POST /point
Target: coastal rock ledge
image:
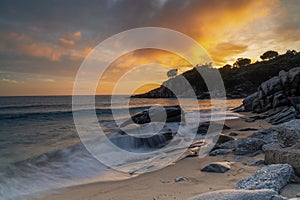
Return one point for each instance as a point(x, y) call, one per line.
point(280, 96)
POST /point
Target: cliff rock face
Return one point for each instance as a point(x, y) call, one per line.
point(280, 96)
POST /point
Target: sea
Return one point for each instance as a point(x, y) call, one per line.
point(41, 151)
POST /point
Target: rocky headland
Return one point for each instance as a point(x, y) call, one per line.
point(239, 81)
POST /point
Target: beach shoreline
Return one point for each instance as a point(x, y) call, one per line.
point(161, 184)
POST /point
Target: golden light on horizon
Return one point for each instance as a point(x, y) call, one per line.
point(158, 63)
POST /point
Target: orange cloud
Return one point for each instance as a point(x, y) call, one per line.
point(223, 52)
point(25, 45)
point(77, 34)
point(215, 22)
point(66, 42)
point(9, 80)
point(226, 29)
point(43, 51)
point(16, 37)
point(212, 24)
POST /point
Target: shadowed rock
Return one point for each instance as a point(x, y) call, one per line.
point(269, 136)
point(280, 96)
point(203, 127)
point(224, 138)
point(220, 152)
point(217, 167)
point(248, 101)
point(243, 146)
point(256, 163)
point(248, 129)
point(156, 114)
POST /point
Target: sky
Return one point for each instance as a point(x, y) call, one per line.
point(43, 43)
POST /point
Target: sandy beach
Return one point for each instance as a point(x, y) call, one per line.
point(161, 184)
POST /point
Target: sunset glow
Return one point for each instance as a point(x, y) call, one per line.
point(41, 49)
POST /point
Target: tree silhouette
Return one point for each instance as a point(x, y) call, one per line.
point(269, 55)
point(172, 73)
point(241, 62)
point(226, 68)
point(291, 52)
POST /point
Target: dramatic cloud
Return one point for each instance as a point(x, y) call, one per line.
point(9, 80)
point(66, 42)
point(51, 38)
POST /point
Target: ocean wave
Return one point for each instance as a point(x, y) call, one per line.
point(70, 165)
point(52, 170)
point(46, 113)
point(32, 106)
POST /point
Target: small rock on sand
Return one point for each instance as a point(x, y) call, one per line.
point(248, 129)
point(180, 179)
point(216, 167)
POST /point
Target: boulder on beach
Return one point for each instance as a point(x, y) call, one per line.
point(273, 177)
point(289, 133)
point(157, 114)
point(264, 194)
point(203, 127)
point(224, 138)
point(243, 146)
point(256, 163)
point(216, 167)
point(289, 156)
point(137, 132)
point(269, 136)
point(280, 136)
point(220, 152)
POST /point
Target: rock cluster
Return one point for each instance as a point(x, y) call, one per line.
point(137, 132)
point(157, 114)
point(242, 146)
point(280, 94)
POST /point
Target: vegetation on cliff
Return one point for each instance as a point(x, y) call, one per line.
point(240, 80)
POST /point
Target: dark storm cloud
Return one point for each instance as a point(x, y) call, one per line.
point(46, 24)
